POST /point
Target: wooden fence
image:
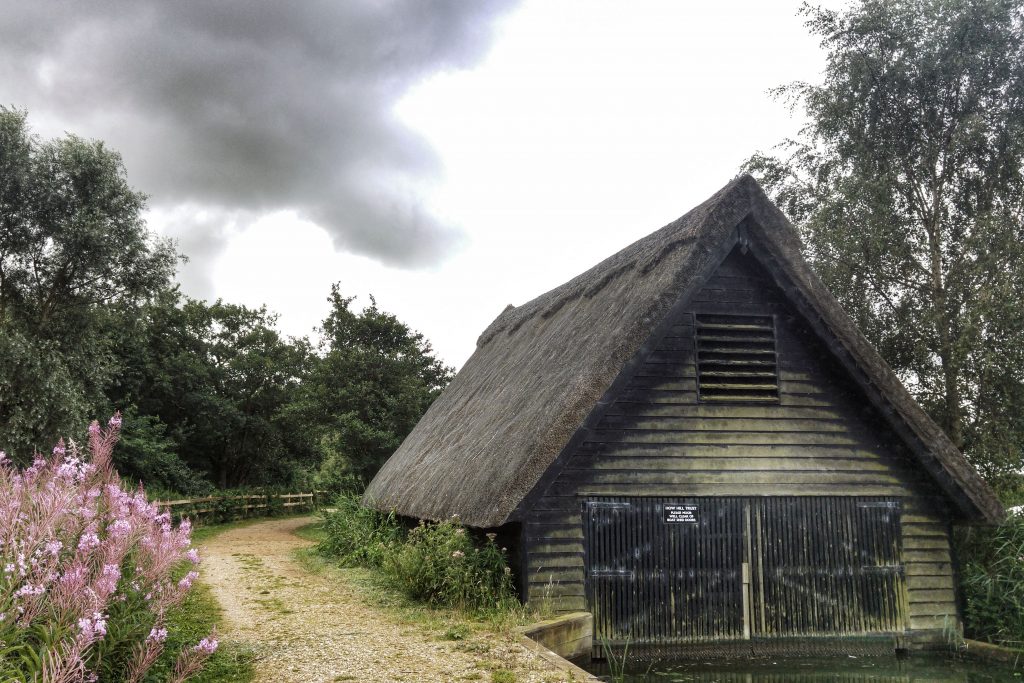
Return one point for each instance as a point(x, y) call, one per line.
point(241, 506)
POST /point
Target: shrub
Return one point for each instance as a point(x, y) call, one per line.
point(442, 566)
point(86, 571)
point(358, 536)
point(437, 563)
point(992, 577)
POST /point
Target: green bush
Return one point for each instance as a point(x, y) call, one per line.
point(358, 536)
point(147, 455)
point(992, 577)
point(441, 565)
point(436, 563)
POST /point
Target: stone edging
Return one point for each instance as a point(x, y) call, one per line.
point(553, 640)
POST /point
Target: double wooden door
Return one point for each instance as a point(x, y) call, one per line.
point(663, 571)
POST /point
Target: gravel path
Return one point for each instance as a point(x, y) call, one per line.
point(313, 627)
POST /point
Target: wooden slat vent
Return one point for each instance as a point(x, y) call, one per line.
point(736, 358)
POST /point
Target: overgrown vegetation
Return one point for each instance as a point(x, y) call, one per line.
point(358, 536)
point(992, 576)
point(439, 564)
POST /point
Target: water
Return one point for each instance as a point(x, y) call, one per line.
point(849, 670)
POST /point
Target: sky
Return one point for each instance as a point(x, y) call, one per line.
point(446, 157)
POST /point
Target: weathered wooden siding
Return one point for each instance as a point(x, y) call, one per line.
point(821, 438)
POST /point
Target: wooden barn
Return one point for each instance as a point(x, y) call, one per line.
point(693, 441)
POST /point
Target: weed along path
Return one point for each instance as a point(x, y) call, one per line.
point(309, 622)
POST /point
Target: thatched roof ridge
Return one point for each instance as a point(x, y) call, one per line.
point(540, 368)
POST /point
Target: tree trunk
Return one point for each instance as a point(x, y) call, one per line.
point(944, 329)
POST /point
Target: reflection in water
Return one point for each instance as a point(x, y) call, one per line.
point(851, 670)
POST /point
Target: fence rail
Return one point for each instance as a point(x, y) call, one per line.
point(239, 503)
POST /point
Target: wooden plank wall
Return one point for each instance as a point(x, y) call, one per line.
point(822, 438)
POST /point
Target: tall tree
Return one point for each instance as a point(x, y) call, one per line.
point(906, 184)
point(372, 381)
point(214, 381)
point(74, 256)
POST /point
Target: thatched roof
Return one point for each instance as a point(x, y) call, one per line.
point(541, 368)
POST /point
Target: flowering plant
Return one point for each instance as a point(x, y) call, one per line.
point(87, 571)
point(441, 564)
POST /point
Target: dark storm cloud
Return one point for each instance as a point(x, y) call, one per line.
point(253, 106)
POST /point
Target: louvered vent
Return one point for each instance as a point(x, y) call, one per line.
point(736, 358)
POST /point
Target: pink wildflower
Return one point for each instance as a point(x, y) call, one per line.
point(120, 527)
point(191, 660)
point(193, 556)
point(207, 645)
point(69, 534)
point(88, 541)
point(28, 590)
point(92, 628)
point(107, 582)
point(186, 581)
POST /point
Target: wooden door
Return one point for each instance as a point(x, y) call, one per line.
point(677, 571)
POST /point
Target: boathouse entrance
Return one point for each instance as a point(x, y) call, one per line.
point(675, 571)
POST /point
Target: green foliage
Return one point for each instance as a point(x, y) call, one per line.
point(456, 632)
point(220, 377)
point(75, 259)
point(55, 398)
point(358, 536)
point(992, 578)
point(371, 382)
point(906, 185)
point(335, 475)
point(147, 454)
point(439, 564)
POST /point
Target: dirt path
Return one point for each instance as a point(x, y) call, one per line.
point(314, 627)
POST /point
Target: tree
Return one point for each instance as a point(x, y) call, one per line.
point(371, 383)
point(75, 256)
point(906, 185)
point(215, 381)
